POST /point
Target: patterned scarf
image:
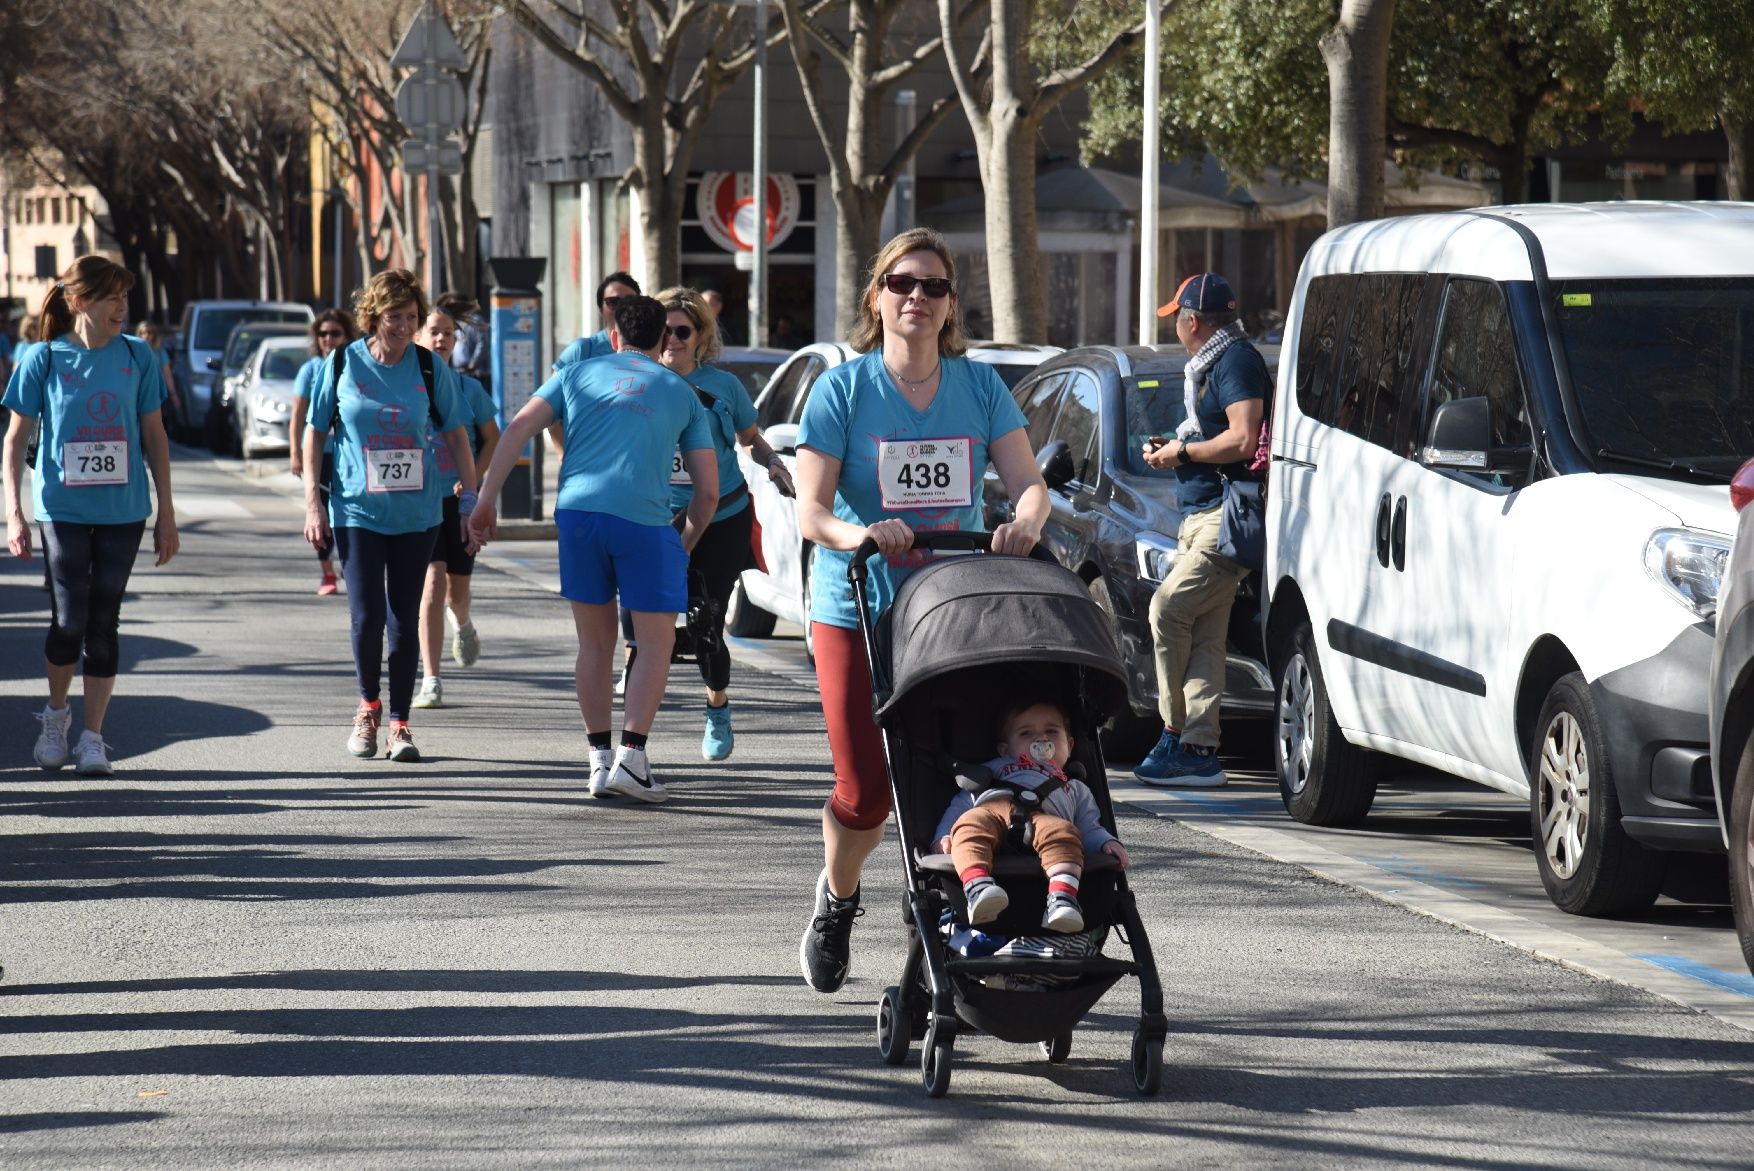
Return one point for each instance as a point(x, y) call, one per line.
point(1197, 367)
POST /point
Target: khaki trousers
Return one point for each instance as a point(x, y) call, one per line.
point(1190, 623)
point(976, 835)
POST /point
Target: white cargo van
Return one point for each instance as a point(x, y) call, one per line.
point(1498, 515)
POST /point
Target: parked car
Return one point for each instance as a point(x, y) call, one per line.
point(778, 585)
point(262, 398)
point(200, 347)
point(1498, 516)
point(753, 365)
point(223, 431)
point(1114, 518)
point(1732, 712)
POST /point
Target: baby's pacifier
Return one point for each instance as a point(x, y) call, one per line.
point(1041, 751)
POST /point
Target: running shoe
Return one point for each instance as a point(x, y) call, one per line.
point(1158, 758)
point(632, 777)
point(1190, 766)
point(986, 899)
point(825, 953)
point(327, 586)
point(465, 645)
point(51, 749)
point(364, 741)
point(1063, 914)
point(402, 744)
point(717, 740)
point(90, 753)
point(602, 766)
point(432, 692)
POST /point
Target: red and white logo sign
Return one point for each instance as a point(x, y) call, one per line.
point(725, 204)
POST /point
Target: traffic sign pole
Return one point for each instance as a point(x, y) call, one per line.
point(432, 105)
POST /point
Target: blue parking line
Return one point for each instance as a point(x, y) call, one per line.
point(1216, 803)
point(1420, 872)
point(1741, 983)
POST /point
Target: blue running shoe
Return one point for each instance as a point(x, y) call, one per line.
point(716, 742)
point(1158, 758)
point(1190, 767)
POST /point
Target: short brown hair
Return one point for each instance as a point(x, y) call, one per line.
point(680, 300)
point(90, 278)
point(384, 292)
point(867, 334)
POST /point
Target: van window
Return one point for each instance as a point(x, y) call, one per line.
point(214, 326)
point(1663, 371)
point(1080, 420)
point(1476, 357)
point(1375, 379)
point(1325, 306)
point(1038, 401)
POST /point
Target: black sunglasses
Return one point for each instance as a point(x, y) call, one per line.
point(902, 284)
point(330, 333)
point(680, 332)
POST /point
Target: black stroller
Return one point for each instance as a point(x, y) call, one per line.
point(963, 633)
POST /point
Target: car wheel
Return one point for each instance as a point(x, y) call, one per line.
point(1323, 779)
point(1588, 862)
point(1741, 822)
point(1128, 735)
point(743, 618)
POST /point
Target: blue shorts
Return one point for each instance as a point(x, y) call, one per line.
point(603, 555)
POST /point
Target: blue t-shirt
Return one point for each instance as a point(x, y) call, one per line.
point(732, 411)
point(1239, 375)
point(595, 346)
point(308, 376)
point(383, 410)
point(480, 407)
point(625, 415)
point(90, 468)
point(855, 408)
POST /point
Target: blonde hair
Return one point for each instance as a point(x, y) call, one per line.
point(383, 293)
point(90, 278)
point(867, 332)
point(680, 300)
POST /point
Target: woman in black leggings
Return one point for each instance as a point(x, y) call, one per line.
point(95, 395)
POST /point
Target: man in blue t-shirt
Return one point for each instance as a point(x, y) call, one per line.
point(625, 415)
point(1226, 397)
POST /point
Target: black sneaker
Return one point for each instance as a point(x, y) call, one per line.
point(826, 950)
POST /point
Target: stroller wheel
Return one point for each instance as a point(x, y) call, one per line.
point(894, 1034)
point(935, 1062)
point(1147, 1063)
point(1057, 1049)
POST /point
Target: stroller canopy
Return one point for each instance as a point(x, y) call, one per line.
point(985, 610)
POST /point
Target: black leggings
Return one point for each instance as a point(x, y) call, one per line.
point(719, 557)
point(327, 548)
point(88, 568)
point(385, 573)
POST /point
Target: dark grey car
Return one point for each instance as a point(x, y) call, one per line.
point(1114, 519)
point(1731, 705)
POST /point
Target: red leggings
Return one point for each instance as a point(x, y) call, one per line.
point(861, 779)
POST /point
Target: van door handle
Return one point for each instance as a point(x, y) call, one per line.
point(1398, 535)
point(1382, 531)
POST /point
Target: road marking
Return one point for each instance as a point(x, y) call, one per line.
point(1741, 983)
point(204, 506)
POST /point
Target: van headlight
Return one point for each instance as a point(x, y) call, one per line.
point(1691, 564)
point(1154, 553)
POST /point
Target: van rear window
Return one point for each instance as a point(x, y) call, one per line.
point(213, 327)
point(1663, 371)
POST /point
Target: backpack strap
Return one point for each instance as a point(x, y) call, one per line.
point(339, 362)
point(424, 357)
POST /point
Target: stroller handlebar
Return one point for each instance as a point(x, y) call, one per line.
point(970, 541)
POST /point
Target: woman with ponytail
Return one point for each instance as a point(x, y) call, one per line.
point(95, 394)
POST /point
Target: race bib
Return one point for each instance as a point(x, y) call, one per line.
point(395, 469)
point(679, 470)
point(93, 464)
point(926, 473)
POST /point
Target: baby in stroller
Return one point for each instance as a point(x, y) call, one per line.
point(1028, 778)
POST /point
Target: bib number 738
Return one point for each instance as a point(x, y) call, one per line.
point(926, 473)
point(91, 464)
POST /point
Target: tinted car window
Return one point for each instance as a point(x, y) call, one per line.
point(1079, 422)
point(1476, 357)
point(283, 363)
point(786, 403)
point(753, 375)
point(1325, 307)
point(1039, 401)
point(1663, 370)
point(213, 326)
point(1011, 373)
point(1153, 406)
point(1378, 356)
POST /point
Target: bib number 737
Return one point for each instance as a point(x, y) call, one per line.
point(395, 469)
point(926, 473)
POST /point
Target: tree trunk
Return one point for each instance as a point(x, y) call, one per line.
point(1356, 51)
point(857, 227)
point(1737, 177)
point(1013, 257)
point(1512, 160)
point(659, 212)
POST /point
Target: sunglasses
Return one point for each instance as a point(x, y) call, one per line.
point(680, 332)
point(330, 333)
point(902, 284)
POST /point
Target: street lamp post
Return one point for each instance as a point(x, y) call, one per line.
point(1148, 180)
point(758, 277)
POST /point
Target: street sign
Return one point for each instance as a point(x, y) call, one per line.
point(725, 203)
point(419, 155)
point(428, 98)
point(429, 42)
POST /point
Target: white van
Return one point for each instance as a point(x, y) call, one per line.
point(1498, 515)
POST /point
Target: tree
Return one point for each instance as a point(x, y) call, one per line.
point(1356, 50)
point(1006, 116)
point(861, 173)
point(648, 39)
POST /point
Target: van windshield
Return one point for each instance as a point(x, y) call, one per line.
point(213, 326)
point(1663, 371)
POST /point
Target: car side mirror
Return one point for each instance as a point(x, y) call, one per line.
point(782, 437)
point(213, 363)
point(1055, 464)
point(1460, 435)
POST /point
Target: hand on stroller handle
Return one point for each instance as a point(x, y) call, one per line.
point(971, 541)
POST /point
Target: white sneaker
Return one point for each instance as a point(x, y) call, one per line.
point(986, 901)
point(90, 751)
point(51, 749)
point(432, 692)
point(602, 764)
point(632, 777)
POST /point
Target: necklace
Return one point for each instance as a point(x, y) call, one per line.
point(914, 383)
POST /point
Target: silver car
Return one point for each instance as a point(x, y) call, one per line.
point(263, 403)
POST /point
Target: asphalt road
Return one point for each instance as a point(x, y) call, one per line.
point(248, 949)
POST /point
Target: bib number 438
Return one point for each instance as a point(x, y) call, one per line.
point(926, 473)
